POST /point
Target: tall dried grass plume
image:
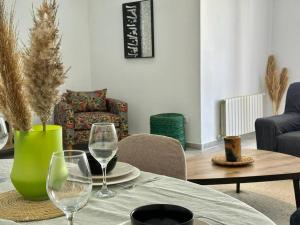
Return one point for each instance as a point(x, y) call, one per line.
point(13, 102)
point(43, 67)
point(283, 81)
point(276, 83)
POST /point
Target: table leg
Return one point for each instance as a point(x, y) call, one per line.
point(238, 187)
point(297, 192)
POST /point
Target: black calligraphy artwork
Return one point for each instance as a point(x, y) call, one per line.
point(138, 29)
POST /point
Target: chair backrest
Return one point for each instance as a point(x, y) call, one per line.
point(293, 98)
point(154, 153)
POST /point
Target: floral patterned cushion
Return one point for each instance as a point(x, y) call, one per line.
point(87, 101)
point(84, 121)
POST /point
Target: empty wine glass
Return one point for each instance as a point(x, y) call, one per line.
point(69, 181)
point(3, 133)
point(3, 139)
point(103, 145)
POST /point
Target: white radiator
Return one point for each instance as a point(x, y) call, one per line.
point(238, 114)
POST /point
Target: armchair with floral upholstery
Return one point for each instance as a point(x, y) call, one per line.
point(77, 111)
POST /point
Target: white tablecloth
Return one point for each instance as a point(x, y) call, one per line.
point(203, 201)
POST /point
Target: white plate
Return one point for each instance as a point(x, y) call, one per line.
point(122, 179)
point(196, 222)
point(121, 169)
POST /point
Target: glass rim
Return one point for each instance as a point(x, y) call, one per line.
point(103, 124)
point(62, 154)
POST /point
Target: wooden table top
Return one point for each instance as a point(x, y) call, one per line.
point(267, 166)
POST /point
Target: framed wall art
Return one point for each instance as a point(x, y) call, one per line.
point(138, 29)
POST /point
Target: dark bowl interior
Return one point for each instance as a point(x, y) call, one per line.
point(96, 167)
point(161, 214)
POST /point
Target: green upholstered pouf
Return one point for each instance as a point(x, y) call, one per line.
point(169, 124)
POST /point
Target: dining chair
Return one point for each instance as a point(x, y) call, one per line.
point(154, 153)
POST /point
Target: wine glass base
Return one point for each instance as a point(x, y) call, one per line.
point(105, 194)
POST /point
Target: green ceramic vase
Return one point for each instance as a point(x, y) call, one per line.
point(32, 155)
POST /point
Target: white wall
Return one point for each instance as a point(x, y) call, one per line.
point(236, 38)
point(286, 37)
point(235, 43)
point(170, 82)
point(73, 22)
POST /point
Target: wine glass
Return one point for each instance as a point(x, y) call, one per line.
point(69, 181)
point(103, 145)
point(3, 133)
point(3, 139)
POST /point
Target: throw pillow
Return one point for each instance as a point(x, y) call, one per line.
point(88, 101)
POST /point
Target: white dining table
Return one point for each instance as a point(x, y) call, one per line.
point(209, 205)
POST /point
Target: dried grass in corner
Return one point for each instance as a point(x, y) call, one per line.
point(283, 83)
point(276, 84)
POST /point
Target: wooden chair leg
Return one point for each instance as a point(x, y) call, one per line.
point(69, 147)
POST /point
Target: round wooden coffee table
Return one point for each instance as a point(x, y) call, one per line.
point(267, 166)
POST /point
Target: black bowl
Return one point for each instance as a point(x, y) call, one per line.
point(161, 214)
point(96, 167)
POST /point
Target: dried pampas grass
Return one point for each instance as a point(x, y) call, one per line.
point(283, 81)
point(13, 103)
point(276, 84)
point(43, 68)
point(271, 78)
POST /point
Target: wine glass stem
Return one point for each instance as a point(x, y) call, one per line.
point(104, 185)
point(70, 217)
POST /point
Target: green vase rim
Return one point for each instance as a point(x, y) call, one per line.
point(39, 128)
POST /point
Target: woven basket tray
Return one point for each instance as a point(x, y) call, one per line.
point(14, 207)
point(221, 160)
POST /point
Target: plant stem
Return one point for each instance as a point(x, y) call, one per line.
point(275, 112)
point(44, 126)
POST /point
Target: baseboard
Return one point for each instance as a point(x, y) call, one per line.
point(193, 145)
point(215, 143)
point(203, 146)
point(211, 144)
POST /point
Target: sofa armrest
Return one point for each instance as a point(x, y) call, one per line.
point(268, 128)
point(120, 108)
point(116, 106)
point(64, 116)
